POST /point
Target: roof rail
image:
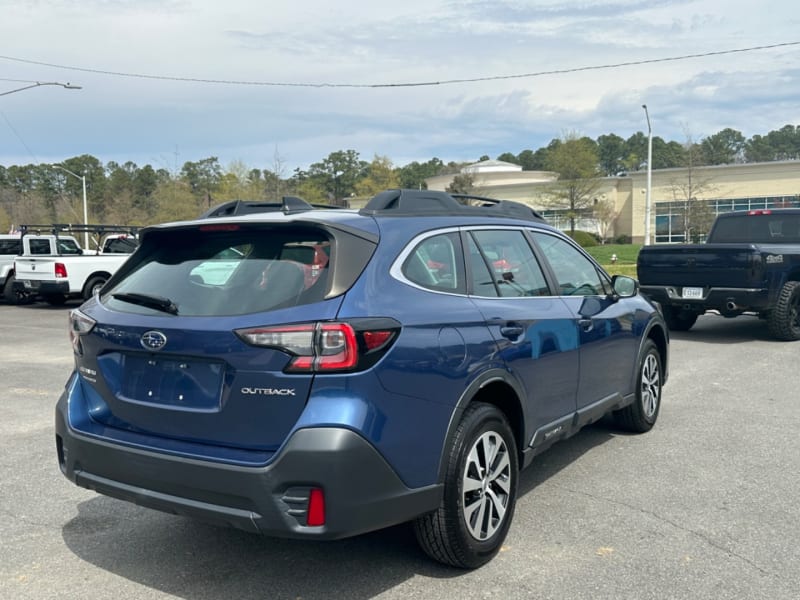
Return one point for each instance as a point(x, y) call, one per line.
point(288, 205)
point(415, 202)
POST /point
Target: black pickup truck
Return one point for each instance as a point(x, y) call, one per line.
point(750, 264)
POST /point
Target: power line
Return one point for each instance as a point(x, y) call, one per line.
point(402, 84)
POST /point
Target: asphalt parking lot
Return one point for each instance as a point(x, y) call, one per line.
point(703, 507)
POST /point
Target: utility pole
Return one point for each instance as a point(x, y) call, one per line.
point(647, 198)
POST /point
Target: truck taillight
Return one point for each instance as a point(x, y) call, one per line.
point(79, 324)
point(61, 271)
point(326, 347)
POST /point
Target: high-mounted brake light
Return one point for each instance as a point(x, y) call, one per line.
point(323, 347)
point(220, 227)
point(759, 211)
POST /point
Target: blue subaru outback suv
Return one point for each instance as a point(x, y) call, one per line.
point(319, 374)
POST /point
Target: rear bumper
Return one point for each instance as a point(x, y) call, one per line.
point(721, 299)
point(41, 287)
point(362, 493)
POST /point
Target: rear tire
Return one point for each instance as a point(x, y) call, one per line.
point(640, 416)
point(93, 285)
point(784, 320)
point(678, 319)
point(480, 491)
point(14, 297)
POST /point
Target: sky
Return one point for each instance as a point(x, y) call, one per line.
point(280, 85)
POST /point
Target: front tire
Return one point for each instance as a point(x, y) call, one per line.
point(640, 416)
point(480, 492)
point(784, 320)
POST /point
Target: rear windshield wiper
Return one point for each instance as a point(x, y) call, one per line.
point(156, 302)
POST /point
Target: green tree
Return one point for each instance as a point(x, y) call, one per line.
point(413, 175)
point(204, 178)
point(785, 143)
point(175, 201)
point(575, 160)
point(338, 174)
point(758, 149)
point(636, 152)
point(463, 183)
point(725, 147)
point(667, 155)
point(533, 161)
point(509, 158)
point(380, 175)
point(611, 154)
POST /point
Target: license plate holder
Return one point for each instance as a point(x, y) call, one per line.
point(692, 293)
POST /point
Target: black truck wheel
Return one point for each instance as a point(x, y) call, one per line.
point(784, 319)
point(480, 492)
point(15, 297)
point(678, 319)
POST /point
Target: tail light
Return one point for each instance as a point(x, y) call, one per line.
point(61, 270)
point(79, 324)
point(326, 347)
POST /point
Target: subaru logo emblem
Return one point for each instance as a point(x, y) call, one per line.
point(153, 340)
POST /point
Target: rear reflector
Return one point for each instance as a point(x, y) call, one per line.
point(315, 516)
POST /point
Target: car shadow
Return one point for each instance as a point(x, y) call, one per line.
point(716, 329)
point(190, 559)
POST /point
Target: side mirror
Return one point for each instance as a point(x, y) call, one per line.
point(624, 286)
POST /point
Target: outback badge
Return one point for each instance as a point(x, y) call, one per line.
point(153, 340)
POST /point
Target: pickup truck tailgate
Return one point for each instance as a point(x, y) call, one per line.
point(40, 269)
point(701, 265)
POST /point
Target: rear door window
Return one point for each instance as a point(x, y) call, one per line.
point(436, 264)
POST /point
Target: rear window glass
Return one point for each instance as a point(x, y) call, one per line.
point(208, 273)
point(758, 229)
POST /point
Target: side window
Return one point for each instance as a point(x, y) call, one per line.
point(68, 247)
point(512, 265)
point(435, 263)
point(10, 247)
point(576, 274)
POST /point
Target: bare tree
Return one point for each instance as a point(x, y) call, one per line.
point(606, 215)
point(686, 190)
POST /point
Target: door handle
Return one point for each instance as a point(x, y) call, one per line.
point(586, 324)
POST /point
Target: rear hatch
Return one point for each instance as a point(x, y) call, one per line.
point(701, 265)
point(195, 340)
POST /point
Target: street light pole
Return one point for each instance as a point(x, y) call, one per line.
point(85, 210)
point(647, 201)
point(66, 86)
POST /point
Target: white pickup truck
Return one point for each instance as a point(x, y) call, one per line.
point(57, 278)
point(14, 245)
